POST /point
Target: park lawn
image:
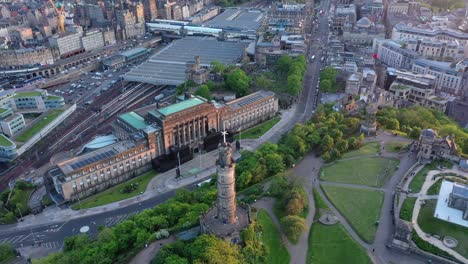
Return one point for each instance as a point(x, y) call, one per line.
point(115, 193)
point(272, 239)
point(435, 226)
point(371, 148)
point(396, 146)
point(370, 171)
point(258, 130)
point(418, 180)
point(34, 129)
point(361, 207)
point(332, 244)
point(435, 188)
point(406, 211)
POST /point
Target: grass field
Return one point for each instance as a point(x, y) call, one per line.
point(407, 207)
point(435, 226)
point(396, 146)
point(258, 130)
point(418, 180)
point(115, 193)
point(34, 129)
point(370, 148)
point(272, 239)
point(435, 188)
point(361, 208)
point(332, 244)
point(372, 171)
point(4, 142)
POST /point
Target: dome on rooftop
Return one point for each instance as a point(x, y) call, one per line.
point(429, 133)
point(364, 22)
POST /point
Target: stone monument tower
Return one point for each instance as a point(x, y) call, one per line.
point(225, 166)
point(226, 219)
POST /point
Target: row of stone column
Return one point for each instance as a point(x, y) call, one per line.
point(186, 132)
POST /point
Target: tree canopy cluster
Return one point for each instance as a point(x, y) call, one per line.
point(7, 252)
point(210, 249)
point(329, 133)
point(291, 202)
point(17, 206)
point(292, 70)
point(328, 80)
point(116, 244)
point(413, 119)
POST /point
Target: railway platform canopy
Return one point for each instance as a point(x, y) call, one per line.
point(168, 66)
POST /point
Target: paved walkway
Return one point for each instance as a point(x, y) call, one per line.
point(147, 254)
point(417, 207)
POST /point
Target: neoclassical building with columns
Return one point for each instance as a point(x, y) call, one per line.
point(149, 133)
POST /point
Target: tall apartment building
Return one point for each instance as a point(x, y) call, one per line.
point(343, 14)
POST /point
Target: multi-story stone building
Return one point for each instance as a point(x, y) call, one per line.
point(448, 79)
point(150, 10)
point(402, 31)
point(431, 147)
point(393, 54)
point(148, 133)
point(130, 24)
point(92, 40)
point(68, 44)
point(417, 91)
point(363, 33)
point(249, 111)
point(26, 57)
point(344, 14)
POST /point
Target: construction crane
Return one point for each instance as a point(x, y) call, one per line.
point(60, 9)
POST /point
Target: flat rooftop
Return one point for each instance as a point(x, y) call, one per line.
point(133, 52)
point(167, 67)
point(249, 99)
point(134, 120)
point(443, 211)
point(236, 18)
point(177, 107)
point(81, 161)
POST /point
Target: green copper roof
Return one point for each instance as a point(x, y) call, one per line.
point(134, 119)
point(171, 109)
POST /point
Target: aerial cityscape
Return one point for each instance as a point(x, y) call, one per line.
point(233, 131)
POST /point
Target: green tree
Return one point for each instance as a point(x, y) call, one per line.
point(327, 143)
point(217, 67)
point(393, 124)
point(262, 82)
point(6, 252)
point(274, 163)
point(325, 85)
point(204, 92)
point(283, 64)
point(238, 81)
point(294, 84)
point(293, 226)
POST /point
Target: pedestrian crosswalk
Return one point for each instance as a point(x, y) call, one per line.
point(52, 244)
point(12, 240)
point(111, 221)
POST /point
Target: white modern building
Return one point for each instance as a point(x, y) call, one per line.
point(448, 79)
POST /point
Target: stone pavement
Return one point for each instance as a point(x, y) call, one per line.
point(417, 207)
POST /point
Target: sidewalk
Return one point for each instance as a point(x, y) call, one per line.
point(191, 172)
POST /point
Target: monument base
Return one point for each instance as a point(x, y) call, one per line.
point(210, 224)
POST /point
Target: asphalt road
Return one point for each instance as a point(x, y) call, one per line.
point(52, 235)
